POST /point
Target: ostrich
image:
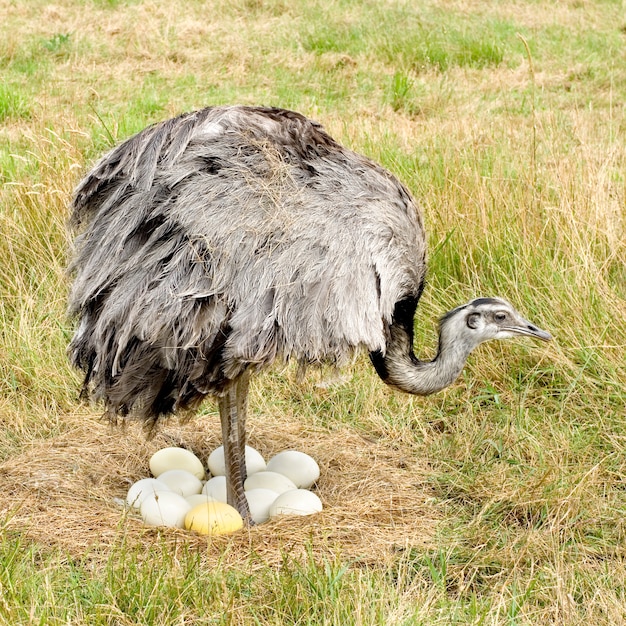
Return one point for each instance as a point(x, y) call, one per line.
point(211, 244)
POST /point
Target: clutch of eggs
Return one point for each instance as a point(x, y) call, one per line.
point(178, 495)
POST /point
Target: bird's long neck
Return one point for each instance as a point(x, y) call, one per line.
point(400, 368)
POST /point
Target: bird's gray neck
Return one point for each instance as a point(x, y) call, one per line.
point(400, 368)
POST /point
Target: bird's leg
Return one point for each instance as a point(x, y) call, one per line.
point(232, 406)
point(241, 394)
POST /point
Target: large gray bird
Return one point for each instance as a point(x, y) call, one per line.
point(214, 243)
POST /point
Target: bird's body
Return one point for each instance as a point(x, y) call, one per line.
point(216, 242)
point(228, 237)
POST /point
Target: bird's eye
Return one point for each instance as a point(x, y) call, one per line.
point(500, 316)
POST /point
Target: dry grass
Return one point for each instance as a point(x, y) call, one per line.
point(64, 492)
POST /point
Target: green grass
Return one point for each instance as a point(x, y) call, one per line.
point(162, 586)
point(507, 121)
point(13, 104)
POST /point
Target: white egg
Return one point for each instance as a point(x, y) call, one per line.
point(199, 498)
point(181, 481)
point(165, 508)
point(296, 502)
point(176, 458)
point(217, 466)
point(140, 490)
point(297, 466)
point(269, 480)
point(259, 502)
point(216, 488)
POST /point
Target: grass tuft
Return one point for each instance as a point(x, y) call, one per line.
point(14, 105)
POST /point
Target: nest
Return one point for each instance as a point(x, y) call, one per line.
point(67, 492)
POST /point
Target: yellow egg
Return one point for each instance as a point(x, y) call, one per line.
point(213, 518)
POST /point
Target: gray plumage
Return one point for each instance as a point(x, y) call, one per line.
point(216, 242)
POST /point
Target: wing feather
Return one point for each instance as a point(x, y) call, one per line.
point(224, 239)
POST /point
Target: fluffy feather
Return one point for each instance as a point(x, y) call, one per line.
point(224, 239)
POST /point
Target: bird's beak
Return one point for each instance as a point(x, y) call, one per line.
point(524, 327)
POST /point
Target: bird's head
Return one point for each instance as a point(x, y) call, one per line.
point(483, 319)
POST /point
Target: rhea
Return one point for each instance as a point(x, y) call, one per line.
point(214, 243)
